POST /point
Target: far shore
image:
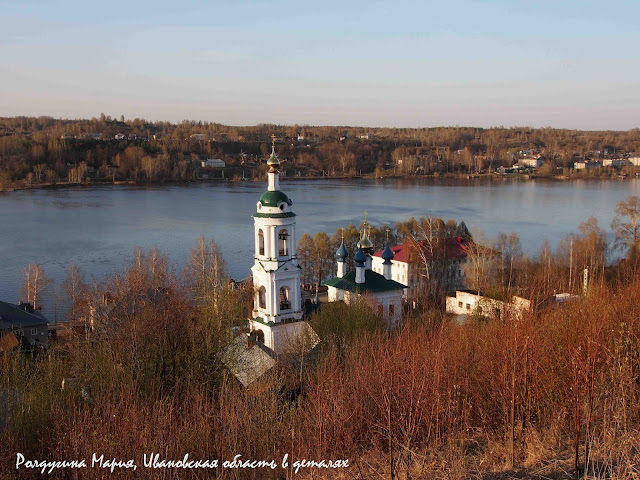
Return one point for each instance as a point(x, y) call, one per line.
point(445, 177)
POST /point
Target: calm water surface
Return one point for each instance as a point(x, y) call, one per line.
point(97, 228)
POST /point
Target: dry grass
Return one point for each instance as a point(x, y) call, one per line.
point(503, 399)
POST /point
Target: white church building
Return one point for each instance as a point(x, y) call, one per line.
point(277, 318)
point(380, 289)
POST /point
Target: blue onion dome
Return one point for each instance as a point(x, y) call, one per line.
point(360, 258)
point(342, 253)
point(387, 255)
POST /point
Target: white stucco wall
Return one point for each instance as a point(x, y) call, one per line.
point(466, 303)
point(383, 299)
point(285, 337)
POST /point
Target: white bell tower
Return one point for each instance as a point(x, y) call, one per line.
point(277, 311)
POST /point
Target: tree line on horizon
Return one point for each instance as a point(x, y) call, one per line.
point(34, 150)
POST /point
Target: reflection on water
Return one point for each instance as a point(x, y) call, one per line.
point(97, 228)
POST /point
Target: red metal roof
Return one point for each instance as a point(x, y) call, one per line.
point(456, 248)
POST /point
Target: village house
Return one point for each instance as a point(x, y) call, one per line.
point(213, 163)
point(615, 162)
point(199, 136)
point(587, 165)
point(472, 302)
point(28, 325)
point(532, 162)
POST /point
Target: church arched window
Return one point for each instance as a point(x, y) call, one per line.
point(262, 298)
point(260, 242)
point(259, 336)
point(283, 243)
point(285, 303)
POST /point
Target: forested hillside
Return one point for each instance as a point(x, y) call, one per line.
point(44, 150)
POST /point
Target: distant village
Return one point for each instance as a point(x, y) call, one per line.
point(42, 151)
point(526, 162)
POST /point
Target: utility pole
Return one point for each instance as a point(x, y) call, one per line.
point(570, 262)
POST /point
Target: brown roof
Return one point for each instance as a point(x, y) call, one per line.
point(8, 342)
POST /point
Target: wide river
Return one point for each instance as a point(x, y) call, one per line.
point(98, 227)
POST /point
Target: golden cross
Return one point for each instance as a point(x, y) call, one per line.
point(342, 233)
point(273, 140)
point(365, 217)
point(388, 235)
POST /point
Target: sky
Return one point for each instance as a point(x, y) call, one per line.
point(560, 63)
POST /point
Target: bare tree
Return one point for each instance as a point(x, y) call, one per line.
point(305, 252)
point(323, 256)
point(206, 269)
point(35, 282)
point(74, 285)
point(480, 261)
point(510, 251)
point(588, 249)
point(626, 225)
point(347, 161)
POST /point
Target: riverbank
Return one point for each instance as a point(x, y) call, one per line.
point(449, 177)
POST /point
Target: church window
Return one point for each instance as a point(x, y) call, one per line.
point(262, 298)
point(259, 336)
point(392, 308)
point(283, 243)
point(285, 303)
point(260, 242)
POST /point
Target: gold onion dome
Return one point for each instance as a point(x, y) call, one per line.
point(273, 163)
point(365, 243)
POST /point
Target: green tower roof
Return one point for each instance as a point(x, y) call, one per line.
point(274, 198)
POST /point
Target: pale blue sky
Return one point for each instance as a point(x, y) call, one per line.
point(573, 64)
